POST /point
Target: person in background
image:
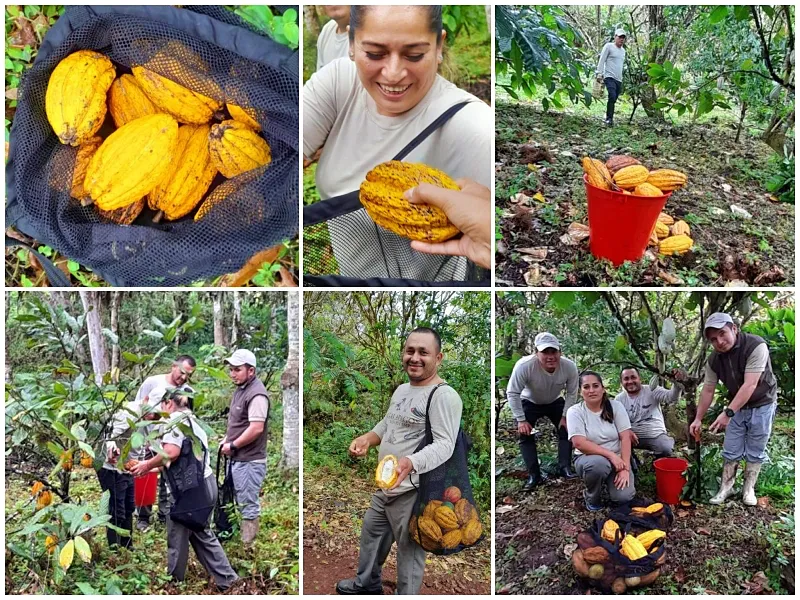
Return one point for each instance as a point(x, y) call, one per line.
point(609, 71)
point(333, 41)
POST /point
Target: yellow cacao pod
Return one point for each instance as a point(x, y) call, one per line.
point(445, 518)
point(429, 543)
point(50, 543)
point(247, 116)
point(661, 230)
point(75, 101)
point(451, 539)
point(235, 148)
point(130, 163)
point(654, 508)
point(596, 571)
point(665, 219)
point(413, 529)
point(188, 177)
point(124, 215)
point(128, 102)
point(471, 532)
point(610, 528)
point(653, 241)
point(430, 528)
point(681, 228)
point(464, 511)
point(676, 244)
point(645, 189)
point(667, 180)
point(180, 102)
point(629, 177)
point(386, 471)
point(381, 194)
point(632, 548)
point(45, 498)
point(596, 173)
point(620, 161)
point(648, 538)
point(82, 158)
point(597, 554)
point(430, 508)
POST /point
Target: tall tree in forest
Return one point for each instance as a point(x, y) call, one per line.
point(290, 460)
point(310, 19)
point(116, 300)
point(219, 321)
point(94, 328)
point(237, 318)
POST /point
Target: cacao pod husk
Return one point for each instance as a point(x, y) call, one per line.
point(128, 102)
point(82, 158)
point(386, 472)
point(619, 161)
point(182, 103)
point(445, 518)
point(246, 116)
point(236, 149)
point(648, 538)
point(629, 177)
point(471, 532)
point(632, 548)
point(667, 180)
point(676, 244)
point(451, 539)
point(610, 528)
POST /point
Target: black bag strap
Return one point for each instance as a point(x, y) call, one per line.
point(428, 430)
point(319, 212)
point(55, 275)
point(340, 280)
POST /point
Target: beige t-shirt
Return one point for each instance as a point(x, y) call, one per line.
point(331, 45)
point(582, 421)
point(341, 115)
point(756, 363)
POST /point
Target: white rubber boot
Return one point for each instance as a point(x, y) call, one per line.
point(751, 471)
point(726, 486)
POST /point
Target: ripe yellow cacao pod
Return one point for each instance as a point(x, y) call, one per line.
point(128, 102)
point(632, 548)
point(188, 177)
point(661, 230)
point(235, 148)
point(471, 532)
point(451, 539)
point(445, 518)
point(247, 116)
point(82, 158)
point(676, 244)
point(125, 215)
point(75, 101)
point(681, 228)
point(386, 472)
point(598, 554)
point(45, 498)
point(381, 194)
point(37, 488)
point(430, 528)
point(620, 161)
point(464, 511)
point(654, 508)
point(50, 543)
point(667, 180)
point(610, 528)
point(653, 241)
point(645, 189)
point(596, 173)
point(665, 219)
point(131, 162)
point(579, 564)
point(180, 102)
point(648, 538)
point(430, 508)
point(629, 177)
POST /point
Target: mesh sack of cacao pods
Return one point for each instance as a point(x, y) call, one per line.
point(643, 515)
point(146, 218)
point(445, 519)
point(608, 566)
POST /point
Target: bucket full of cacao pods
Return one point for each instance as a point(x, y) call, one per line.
point(624, 200)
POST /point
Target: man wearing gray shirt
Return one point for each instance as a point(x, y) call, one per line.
point(609, 71)
point(399, 433)
point(534, 391)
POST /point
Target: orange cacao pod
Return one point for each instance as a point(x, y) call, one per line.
point(451, 539)
point(127, 101)
point(665, 219)
point(645, 189)
point(431, 507)
point(124, 215)
point(661, 230)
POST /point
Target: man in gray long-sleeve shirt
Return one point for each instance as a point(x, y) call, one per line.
point(534, 391)
point(609, 71)
point(399, 433)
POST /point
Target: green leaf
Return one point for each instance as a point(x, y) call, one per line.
point(562, 300)
point(83, 549)
point(741, 12)
point(61, 428)
point(747, 65)
point(718, 14)
point(86, 589)
point(137, 440)
point(78, 432)
point(73, 267)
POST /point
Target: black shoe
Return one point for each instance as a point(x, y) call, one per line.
point(347, 587)
point(567, 473)
point(533, 481)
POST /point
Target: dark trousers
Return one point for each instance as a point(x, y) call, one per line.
point(120, 505)
point(527, 443)
point(614, 88)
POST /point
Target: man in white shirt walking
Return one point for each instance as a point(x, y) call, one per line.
point(609, 71)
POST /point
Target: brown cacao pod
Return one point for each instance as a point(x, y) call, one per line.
point(128, 102)
point(471, 532)
point(131, 162)
point(430, 508)
point(598, 554)
point(130, 464)
point(681, 228)
point(247, 116)
point(75, 101)
point(618, 586)
point(188, 177)
point(585, 540)
point(452, 494)
point(596, 173)
point(665, 219)
point(381, 194)
point(667, 180)
point(645, 189)
point(235, 148)
point(180, 102)
point(619, 161)
point(579, 564)
point(451, 539)
point(445, 518)
point(464, 511)
point(649, 578)
point(125, 215)
point(676, 244)
point(629, 177)
point(428, 527)
point(82, 158)
point(429, 544)
point(661, 230)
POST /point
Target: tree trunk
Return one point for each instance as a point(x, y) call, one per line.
point(290, 459)
point(219, 321)
point(237, 318)
point(488, 10)
point(116, 300)
point(310, 20)
point(742, 112)
point(775, 134)
point(94, 328)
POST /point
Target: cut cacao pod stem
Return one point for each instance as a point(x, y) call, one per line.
point(158, 216)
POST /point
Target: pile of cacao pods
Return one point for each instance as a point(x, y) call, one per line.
point(447, 523)
point(671, 236)
point(166, 148)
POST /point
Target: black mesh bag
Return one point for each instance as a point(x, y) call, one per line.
point(226, 499)
point(260, 208)
point(340, 225)
point(640, 522)
point(446, 486)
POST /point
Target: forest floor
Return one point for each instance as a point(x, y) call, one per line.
point(332, 512)
point(710, 549)
point(538, 155)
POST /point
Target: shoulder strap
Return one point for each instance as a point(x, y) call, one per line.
point(319, 212)
point(54, 275)
point(428, 431)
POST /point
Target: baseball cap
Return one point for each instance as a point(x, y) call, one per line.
point(717, 321)
point(620, 32)
point(242, 357)
point(546, 340)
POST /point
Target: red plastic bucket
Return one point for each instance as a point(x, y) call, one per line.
point(670, 479)
point(620, 224)
point(144, 489)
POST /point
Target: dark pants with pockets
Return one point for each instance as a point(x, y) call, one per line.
point(527, 443)
point(120, 506)
point(614, 88)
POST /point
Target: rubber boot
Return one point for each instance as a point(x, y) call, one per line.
point(726, 486)
point(249, 531)
point(751, 471)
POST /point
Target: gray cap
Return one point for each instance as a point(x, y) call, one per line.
point(621, 32)
point(717, 321)
point(242, 357)
point(546, 340)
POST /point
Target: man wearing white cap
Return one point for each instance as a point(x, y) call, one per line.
point(609, 71)
point(741, 362)
point(534, 391)
point(246, 438)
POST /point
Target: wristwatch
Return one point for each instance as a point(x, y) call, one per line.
point(729, 413)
